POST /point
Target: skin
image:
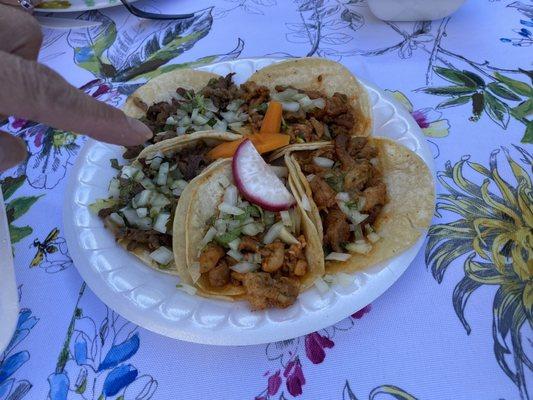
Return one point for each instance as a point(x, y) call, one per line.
point(35, 92)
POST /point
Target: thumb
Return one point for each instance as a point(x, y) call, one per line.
point(35, 92)
point(12, 151)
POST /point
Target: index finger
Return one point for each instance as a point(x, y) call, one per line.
point(35, 92)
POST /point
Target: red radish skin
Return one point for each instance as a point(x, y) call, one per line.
point(257, 182)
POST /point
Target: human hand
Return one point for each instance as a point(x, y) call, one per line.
point(35, 92)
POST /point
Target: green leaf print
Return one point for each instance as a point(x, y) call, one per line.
point(524, 109)
point(449, 90)
point(501, 91)
point(20, 206)
point(456, 101)
point(89, 3)
point(496, 110)
point(519, 87)
point(528, 135)
point(10, 185)
point(458, 77)
point(17, 233)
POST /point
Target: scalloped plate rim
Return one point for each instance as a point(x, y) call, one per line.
point(225, 333)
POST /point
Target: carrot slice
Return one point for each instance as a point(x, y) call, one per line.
point(262, 142)
point(272, 120)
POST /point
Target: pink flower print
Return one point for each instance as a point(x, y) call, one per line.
point(295, 377)
point(365, 310)
point(101, 89)
point(274, 382)
point(420, 118)
point(38, 141)
point(19, 123)
point(315, 344)
point(261, 398)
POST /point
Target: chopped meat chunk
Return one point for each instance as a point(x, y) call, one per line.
point(210, 256)
point(356, 178)
point(255, 120)
point(221, 91)
point(254, 94)
point(298, 116)
point(300, 268)
point(249, 244)
point(157, 114)
point(264, 291)
point(355, 144)
point(106, 212)
point(192, 161)
point(220, 275)
point(374, 196)
point(323, 194)
point(164, 136)
point(300, 132)
point(132, 152)
point(368, 152)
point(337, 230)
point(337, 105)
point(341, 145)
point(273, 256)
point(152, 239)
point(295, 259)
point(318, 127)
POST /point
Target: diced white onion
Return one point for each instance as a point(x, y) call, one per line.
point(220, 226)
point(229, 116)
point(185, 121)
point(209, 235)
point(129, 171)
point(321, 285)
point(114, 188)
point(310, 177)
point(256, 258)
point(194, 114)
point(180, 130)
point(333, 256)
point(374, 161)
point(235, 255)
point(200, 119)
point(323, 162)
point(359, 246)
point(147, 183)
point(194, 271)
point(231, 195)
point(179, 184)
point(162, 174)
point(252, 229)
point(221, 126)
point(234, 244)
point(142, 199)
point(160, 224)
point(305, 203)
point(306, 103)
point(116, 219)
point(291, 106)
point(286, 218)
point(229, 209)
point(281, 172)
point(171, 121)
point(162, 255)
point(354, 215)
point(187, 288)
point(344, 279)
point(343, 196)
point(234, 105)
point(373, 237)
point(273, 233)
point(142, 212)
point(209, 105)
point(244, 267)
point(287, 237)
point(319, 103)
point(327, 134)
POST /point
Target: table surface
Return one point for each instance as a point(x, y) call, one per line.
point(456, 325)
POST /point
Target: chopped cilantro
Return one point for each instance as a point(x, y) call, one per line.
point(336, 181)
point(228, 237)
point(114, 164)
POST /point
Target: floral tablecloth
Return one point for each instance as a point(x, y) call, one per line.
point(457, 324)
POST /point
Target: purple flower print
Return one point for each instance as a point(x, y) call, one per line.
point(294, 377)
point(365, 310)
point(315, 344)
point(274, 382)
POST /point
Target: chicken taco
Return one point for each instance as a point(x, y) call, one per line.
point(316, 100)
point(370, 198)
point(140, 209)
point(241, 244)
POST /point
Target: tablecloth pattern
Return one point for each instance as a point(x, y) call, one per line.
point(457, 324)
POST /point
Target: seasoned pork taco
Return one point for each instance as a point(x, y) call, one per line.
point(140, 210)
point(239, 247)
point(370, 198)
point(317, 100)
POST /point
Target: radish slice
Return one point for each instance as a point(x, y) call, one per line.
point(257, 182)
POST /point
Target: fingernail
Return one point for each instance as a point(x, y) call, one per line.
point(139, 128)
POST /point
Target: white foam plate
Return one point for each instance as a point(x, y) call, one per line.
point(150, 299)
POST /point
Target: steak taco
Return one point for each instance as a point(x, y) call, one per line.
point(370, 198)
point(140, 210)
point(317, 100)
point(238, 248)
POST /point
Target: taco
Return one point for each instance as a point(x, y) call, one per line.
point(140, 210)
point(238, 250)
point(370, 198)
point(319, 99)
